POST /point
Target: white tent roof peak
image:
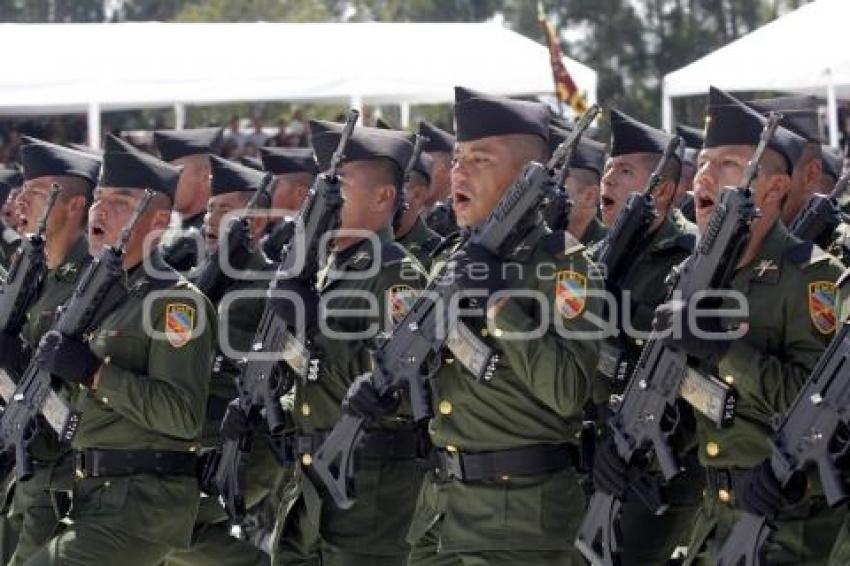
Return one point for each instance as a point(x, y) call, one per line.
point(68, 67)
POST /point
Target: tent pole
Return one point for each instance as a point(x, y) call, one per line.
point(405, 115)
point(357, 103)
point(666, 111)
point(179, 115)
point(831, 109)
point(93, 124)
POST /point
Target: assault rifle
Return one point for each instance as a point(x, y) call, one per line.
point(79, 315)
point(236, 247)
point(556, 210)
point(821, 215)
point(647, 415)
point(814, 432)
point(411, 355)
point(262, 380)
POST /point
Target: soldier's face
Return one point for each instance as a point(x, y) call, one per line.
point(717, 167)
point(110, 212)
point(31, 204)
point(222, 207)
point(623, 175)
point(441, 169)
point(482, 171)
point(367, 205)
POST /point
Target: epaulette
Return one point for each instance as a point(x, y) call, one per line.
point(687, 242)
point(806, 254)
point(561, 242)
point(448, 241)
point(392, 253)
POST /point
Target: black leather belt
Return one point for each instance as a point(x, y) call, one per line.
point(95, 463)
point(502, 464)
point(404, 444)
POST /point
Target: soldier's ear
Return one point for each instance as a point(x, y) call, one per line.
point(777, 187)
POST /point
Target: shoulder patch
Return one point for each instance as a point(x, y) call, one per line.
point(400, 299)
point(570, 293)
point(179, 323)
point(822, 299)
point(806, 254)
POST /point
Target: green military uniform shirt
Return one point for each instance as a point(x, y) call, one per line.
point(790, 288)
point(421, 241)
point(151, 395)
point(386, 490)
point(535, 397)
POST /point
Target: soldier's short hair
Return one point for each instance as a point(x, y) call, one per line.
point(418, 179)
point(386, 172)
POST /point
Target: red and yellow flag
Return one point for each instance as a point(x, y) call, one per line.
point(566, 89)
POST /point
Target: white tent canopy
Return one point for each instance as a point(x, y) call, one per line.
point(803, 51)
point(93, 67)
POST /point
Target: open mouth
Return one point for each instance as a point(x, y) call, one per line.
point(606, 201)
point(703, 199)
point(461, 198)
point(22, 223)
point(97, 231)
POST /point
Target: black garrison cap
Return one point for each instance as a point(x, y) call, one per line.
point(799, 114)
point(589, 154)
point(364, 144)
point(693, 137)
point(480, 115)
point(40, 158)
point(230, 177)
point(632, 136)
point(282, 160)
point(731, 122)
point(174, 144)
point(832, 161)
point(251, 162)
point(127, 167)
point(439, 140)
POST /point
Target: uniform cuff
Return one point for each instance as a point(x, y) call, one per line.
point(111, 388)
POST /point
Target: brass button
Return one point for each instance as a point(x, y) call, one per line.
point(729, 379)
point(450, 361)
point(106, 484)
point(105, 400)
point(107, 360)
point(80, 474)
point(484, 332)
point(306, 459)
point(712, 449)
point(506, 478)
point(497, 332)
point(305, 410)
point(451, 448)
point(445, 407)
point(724, 496)
point(638, 342)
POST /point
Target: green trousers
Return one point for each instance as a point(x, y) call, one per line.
point(804, 533)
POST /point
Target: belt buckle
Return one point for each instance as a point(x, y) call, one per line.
point(452, 465)
point(79, 465)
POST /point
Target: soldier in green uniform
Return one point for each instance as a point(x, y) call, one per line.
point(141, 384)
point(294, 168)
point(188, 149)
point(410, 228)
point(505, 485)
point(439, 147)
point(684, 199)
point(790, 289)
point(10, 180)
point(232, 186)
point(635, 151)
point(360, 271)
point(582, 186)
point(800, 115)
point(32, 518)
